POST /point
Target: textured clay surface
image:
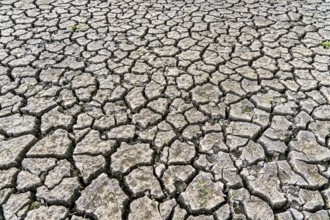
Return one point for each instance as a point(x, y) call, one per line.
point(164, 109)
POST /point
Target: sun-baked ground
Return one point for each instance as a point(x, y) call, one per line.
point(164, 109)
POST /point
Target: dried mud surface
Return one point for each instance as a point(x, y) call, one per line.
point(163, 109)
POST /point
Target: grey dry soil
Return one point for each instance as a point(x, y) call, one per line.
point(164, 109)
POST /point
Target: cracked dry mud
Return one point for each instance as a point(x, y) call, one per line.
point(170, 110)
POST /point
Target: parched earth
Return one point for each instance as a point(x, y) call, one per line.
point(164, 109)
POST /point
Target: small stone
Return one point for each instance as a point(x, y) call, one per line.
point(144, 208)
point(312, 199)
point(20, 72)
point(83, 80)
point(190, 55)
point(12, 150)
point(179, 213)
point(284, 216)
point(64, 192)
point(266, 183)
point(7, 177)
point(51, 75)
point(54, 119)
point(178, 121)
point(194, 116)
point(214, 111)
point(55, 176)
point(296, 214)
point(93, 144)
point(288, 176)
point(166, 51)
point(294, 16)
point(16, 125)
point(141, 180)
point(147, 135)
point(50, 213)
point(288, 108)
point(164, 138)
point(302, 119)
point(89, 166)
point(320, 129)
point(165, 208)
point(181, 152)
point(71, 63)
point(234, 142)
point(201, 217)
point(202, 193)
point(103, 197)
point(306, 144)
point(146, 118)
point(258, 209)
point(185, 81)
point(223, 213)
point(222, 168)
point(135, 99)
point(319, 215)
point(252, 153)
point(5, 193)
point(247, 72)
point(326, 196)
point(191, 132)
point(127, 156)
point(24, 61)
point(153, 90)
point(309, 172)
point(56, 143)
point(212, 141)
point(273, 147)
point(175, 176)
point(74, 217)
point(243, 110)
point(159, 105)
point(206, 93)
point(38, 165)
point(123, 132)
point(17, 205)
point(27, 181)
point(39, 106)
point(262, 22)
point(280, 129)
point(264, 100)
point(231, 86)
point(104, 123)
point(243, 129)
